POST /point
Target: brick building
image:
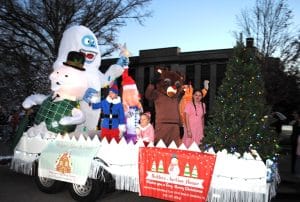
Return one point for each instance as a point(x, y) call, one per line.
point(197, 66)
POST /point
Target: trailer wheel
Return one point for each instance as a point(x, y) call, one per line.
point(88, 192)
point(48, 185)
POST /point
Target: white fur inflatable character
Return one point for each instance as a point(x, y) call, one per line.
point(59, 112)
point(82, 39)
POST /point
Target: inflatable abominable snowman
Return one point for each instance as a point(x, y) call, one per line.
point(59, 112)
point(82, 39)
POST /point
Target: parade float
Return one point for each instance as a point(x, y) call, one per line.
point(57, 153)
point(171, 173)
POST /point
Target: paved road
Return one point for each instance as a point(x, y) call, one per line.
point(289, 187)
point(16, 187)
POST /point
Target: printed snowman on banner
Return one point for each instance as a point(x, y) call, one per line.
point(59, 112)
point(82, 39)
point(173, 168)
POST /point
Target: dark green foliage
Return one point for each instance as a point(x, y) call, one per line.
point(239, 121)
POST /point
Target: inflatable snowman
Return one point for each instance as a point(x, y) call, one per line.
point(59, 112)
point(82, 39)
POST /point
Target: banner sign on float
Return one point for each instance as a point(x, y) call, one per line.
point(64, 161)
point(175, 175)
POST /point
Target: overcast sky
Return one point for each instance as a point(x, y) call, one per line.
point(191, 25)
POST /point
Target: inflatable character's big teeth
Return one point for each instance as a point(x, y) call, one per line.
point(89, 55)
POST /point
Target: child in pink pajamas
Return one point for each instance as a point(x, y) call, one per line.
point(145, 130)
point(194, 115)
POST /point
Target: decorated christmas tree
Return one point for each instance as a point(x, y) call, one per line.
point(239, 121)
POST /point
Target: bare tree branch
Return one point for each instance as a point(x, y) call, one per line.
point(270, 23)
point(31, 30)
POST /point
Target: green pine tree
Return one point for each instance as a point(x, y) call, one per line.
point(239, 121)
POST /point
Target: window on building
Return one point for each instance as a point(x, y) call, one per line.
point(205, 75)
point(168, 67)
point(147, 105)
point(205, 72)
point(146, 77)
point(190, 74)
point(221, 69)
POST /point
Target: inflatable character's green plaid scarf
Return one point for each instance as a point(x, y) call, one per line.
point(51, 112)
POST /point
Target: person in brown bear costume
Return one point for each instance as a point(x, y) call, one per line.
point(164, 90)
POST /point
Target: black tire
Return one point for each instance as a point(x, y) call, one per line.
point(88, 192)
point(48, 185)
point(110, 183)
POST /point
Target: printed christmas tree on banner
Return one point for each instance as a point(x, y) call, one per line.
point(161, 167)
point(239, 121)
point(153, 166)
point(187, 172)
point(195, 172)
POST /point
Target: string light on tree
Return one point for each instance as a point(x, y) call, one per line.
point(240, 108)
